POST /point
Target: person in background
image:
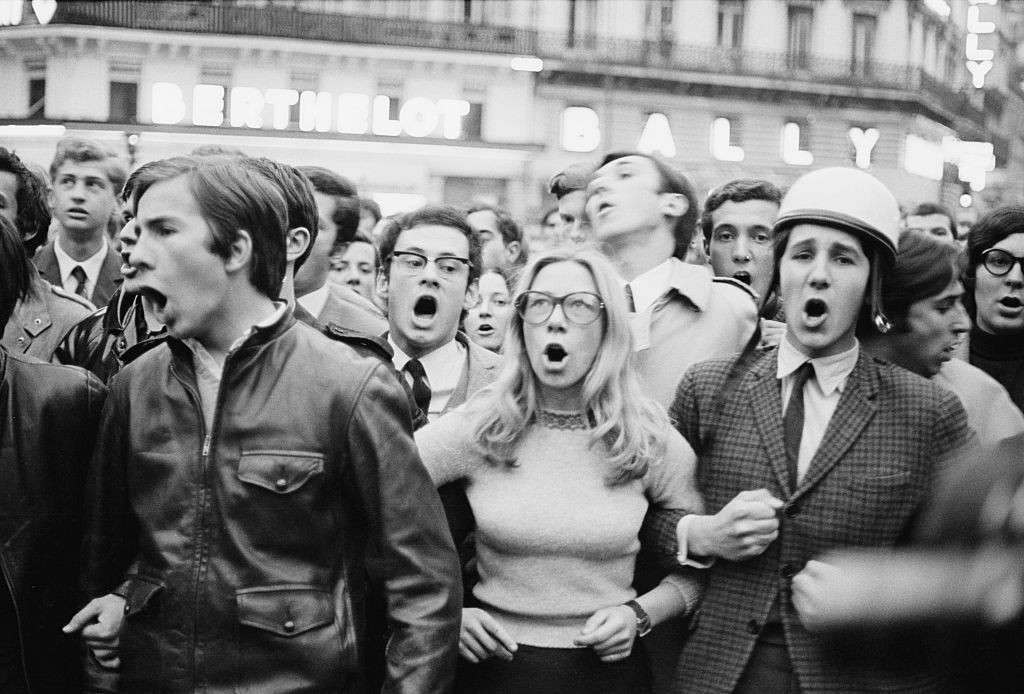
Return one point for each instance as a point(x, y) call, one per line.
point(338, 220)
point(48, 421)
point(46, 312)
point(87, 178)
point(486, 323)
point(923, 301)
point(570, 190)
point(369, 215)
point(546, 234)
point(562, 457)
point(355, 266)
point(994, 280)
point(934, 219)
point(501, 237)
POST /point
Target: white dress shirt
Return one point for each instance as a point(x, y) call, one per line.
point(90, 265)
point(650, 286)
point(443, 368)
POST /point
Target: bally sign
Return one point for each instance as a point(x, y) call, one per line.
point(353, 114)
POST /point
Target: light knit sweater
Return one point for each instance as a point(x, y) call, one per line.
point(554, 542)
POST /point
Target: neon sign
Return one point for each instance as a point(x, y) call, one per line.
point(351, 114)
point(979, 60)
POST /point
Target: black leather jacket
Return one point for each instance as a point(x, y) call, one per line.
point(50, 416)
point(244, 547)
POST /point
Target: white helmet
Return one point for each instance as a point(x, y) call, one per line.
point(844, 198)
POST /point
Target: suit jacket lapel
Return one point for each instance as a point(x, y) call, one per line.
point(762, 389)
point(856, 408)
point(46, 263)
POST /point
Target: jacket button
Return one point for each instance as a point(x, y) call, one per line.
point(792, 510)
point(788, 571)
point(289, 626)
point(38, 321)
point(753, 627)
point(281, 483)
point(21, 340)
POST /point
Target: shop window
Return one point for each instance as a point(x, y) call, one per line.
point(730, 23)
point(124, 102)
point(863, 53)
point(37, 97)
point(799, 48)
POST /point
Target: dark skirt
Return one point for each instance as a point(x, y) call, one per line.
point(536, 670)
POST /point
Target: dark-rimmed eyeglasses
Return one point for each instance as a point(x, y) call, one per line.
point(581, 308)
point(999, 262)
point(413, 263)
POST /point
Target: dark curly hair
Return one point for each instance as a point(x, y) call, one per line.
point(33, 219)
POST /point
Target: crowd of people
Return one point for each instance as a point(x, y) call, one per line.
point(259, 437)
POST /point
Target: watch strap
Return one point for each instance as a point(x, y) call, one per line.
point(643, 620)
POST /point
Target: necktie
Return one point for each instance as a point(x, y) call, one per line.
point(630, 304)
point(78, 272)
point(420, 388)
point(793, 421)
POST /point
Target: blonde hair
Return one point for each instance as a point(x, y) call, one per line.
point(630, 426)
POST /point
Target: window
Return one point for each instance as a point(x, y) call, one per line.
point(730, 24)
point(864, 26)
point(582, 24)
point(124, 102)
point(37, 97)
point(800, 20)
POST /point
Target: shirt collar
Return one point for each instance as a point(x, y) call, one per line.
point(831, 372)
point(650, 286)
point(315, 301)
point(90, 265)
point(690, 281)
point(433, 363)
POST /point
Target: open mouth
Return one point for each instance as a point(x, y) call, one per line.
point(155, 298)
point(425, 307)
point(743, 276)
point(1011, 302)
point(815, 308)
point(555, 353)
point(485, 329)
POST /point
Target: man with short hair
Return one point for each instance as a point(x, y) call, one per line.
point(46, 312)
point(502, 240)
point(736, 222)
point(247, 466)
point(338, 220)
point(87, 178)
point(570, 190)
point(934, 219)
point(810, 446)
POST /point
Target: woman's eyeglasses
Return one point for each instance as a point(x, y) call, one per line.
point(581, 308)
point(999, 262)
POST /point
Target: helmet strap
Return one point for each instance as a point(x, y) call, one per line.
point(881, 321)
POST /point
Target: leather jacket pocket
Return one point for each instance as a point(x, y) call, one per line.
point(281, 472)
point(285, 610)
point(139, 593)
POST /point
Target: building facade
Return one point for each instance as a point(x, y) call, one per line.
point(429, 100)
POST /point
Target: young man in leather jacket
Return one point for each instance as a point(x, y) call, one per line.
point(246, 465)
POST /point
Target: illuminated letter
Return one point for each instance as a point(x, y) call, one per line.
point(382, 123)
point(657, 136)
point(974, 23)
point(452, 112)
point(978, 72)
point(581, 130)
point(791, 152)
point(863, 143)
point(720, 147)
point(246, 107)
point(315, 111)
point(353, 114)
point(281, 101)
point(418, 117)
point(923, 158)
point(974, 53)
point(168, 103)
point(10, 12)
point(208, 104)
point(44, 10)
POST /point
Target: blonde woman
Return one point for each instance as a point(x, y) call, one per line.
point(561, 458)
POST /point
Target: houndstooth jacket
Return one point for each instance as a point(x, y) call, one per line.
point(888, 436)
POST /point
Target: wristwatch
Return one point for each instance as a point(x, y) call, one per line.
point(643, 620)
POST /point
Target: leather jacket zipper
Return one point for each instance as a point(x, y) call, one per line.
point(17, 620)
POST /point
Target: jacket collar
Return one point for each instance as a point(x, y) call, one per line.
point(33, 312)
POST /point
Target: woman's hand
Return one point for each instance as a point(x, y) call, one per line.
point(610, 632)
point(480, 637)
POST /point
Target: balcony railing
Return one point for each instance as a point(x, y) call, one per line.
point(590, 54)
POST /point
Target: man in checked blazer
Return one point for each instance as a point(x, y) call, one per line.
point(846, 463)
